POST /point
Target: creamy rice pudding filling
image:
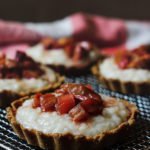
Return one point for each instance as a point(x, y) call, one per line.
point(52, 122)
point(53, 56)
point(56, 56)
point(110, 70)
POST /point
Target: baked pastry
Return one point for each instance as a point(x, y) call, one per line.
point(126, 72)
point(72, 117)
point(23, 76)
point(65, 55)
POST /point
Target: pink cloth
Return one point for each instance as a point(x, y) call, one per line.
point(105, 32)
point(12, 32)
point(109, 34)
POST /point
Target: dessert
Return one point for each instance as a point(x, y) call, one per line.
point(65, 55)
point(72, 117)
point(23, 76)
point(126, 72)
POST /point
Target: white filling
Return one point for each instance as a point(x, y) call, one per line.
point(51, 122)
point(110, 70)
point(54, 56)
point(28, 85)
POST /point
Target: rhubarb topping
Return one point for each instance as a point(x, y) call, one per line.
point(22, 67)
point(138, 58)
point(65, 103)
point(77, 100)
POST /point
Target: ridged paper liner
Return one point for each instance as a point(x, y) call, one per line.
point(6, 97)
point(68, 140)
point(141, 88)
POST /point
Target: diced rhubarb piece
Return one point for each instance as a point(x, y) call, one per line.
point(123, 58)
point(80, 97)
point(27, 64)
point(61, 91)
point(10, 63)
point(30, 74)
point(142, 50)
point(141, 62)
point(62, 42)
point(69, 49)
point(89, 86)
point(21, 57)
point(48, 102)
point(2, 56)
point(36, 100)
point(65, 103)
point(48, 43)
point(11, 75)
point(123, 63)
point(91, 106)
point(77, 53)
point(96, 97)
point(81, 92)
point(2, 59)
point(81, 50)
point(78, 113)
point(119, 54)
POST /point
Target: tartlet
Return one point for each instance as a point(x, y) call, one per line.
point(23, 76)
point(126, 72)
point(65, 55)
point(73, 117)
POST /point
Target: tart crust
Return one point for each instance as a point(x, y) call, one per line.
point(73, 70)
point(68, 140)
point(141, 88)
point(6, 96)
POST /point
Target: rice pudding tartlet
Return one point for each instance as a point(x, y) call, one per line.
point(23, 76)
point(65, 55)
point(127, 71)
point(72, 117)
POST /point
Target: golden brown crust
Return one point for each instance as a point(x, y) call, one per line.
point(6, 97)
point(61, 141)
point(141, 88)
point(73, 70)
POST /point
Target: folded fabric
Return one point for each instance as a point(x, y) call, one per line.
point(12, 32)
point(106, 32)
point(103, 31)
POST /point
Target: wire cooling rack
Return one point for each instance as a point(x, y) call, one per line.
point(139, 138)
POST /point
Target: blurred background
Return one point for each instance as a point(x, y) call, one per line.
point(49, 10)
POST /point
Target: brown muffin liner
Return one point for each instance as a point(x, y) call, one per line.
point(6, 97)
point(68, 140)
point(141, 88)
